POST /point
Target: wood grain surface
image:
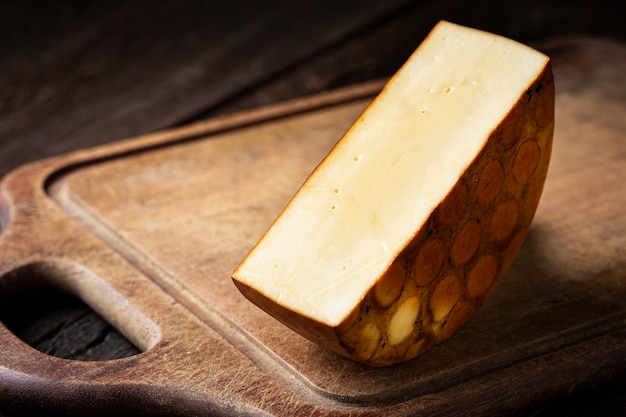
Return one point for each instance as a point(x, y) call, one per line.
point(75, 79)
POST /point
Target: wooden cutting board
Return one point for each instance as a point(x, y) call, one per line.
point(147, 232)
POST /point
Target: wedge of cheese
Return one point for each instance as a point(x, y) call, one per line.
point(404, 229)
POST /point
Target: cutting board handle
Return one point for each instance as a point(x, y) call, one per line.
point(181, 368)
point(152, 382)
point(74, 279)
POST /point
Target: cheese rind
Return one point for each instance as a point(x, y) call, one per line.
point(419, 196)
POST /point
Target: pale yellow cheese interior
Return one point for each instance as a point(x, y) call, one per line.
point(373, 192)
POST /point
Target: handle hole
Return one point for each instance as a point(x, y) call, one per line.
point(39, 305)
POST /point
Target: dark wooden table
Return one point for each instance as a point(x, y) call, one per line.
point(78, 74)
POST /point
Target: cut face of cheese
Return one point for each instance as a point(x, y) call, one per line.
point(402, 231)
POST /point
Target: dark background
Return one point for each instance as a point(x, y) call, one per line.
point(74, 74)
